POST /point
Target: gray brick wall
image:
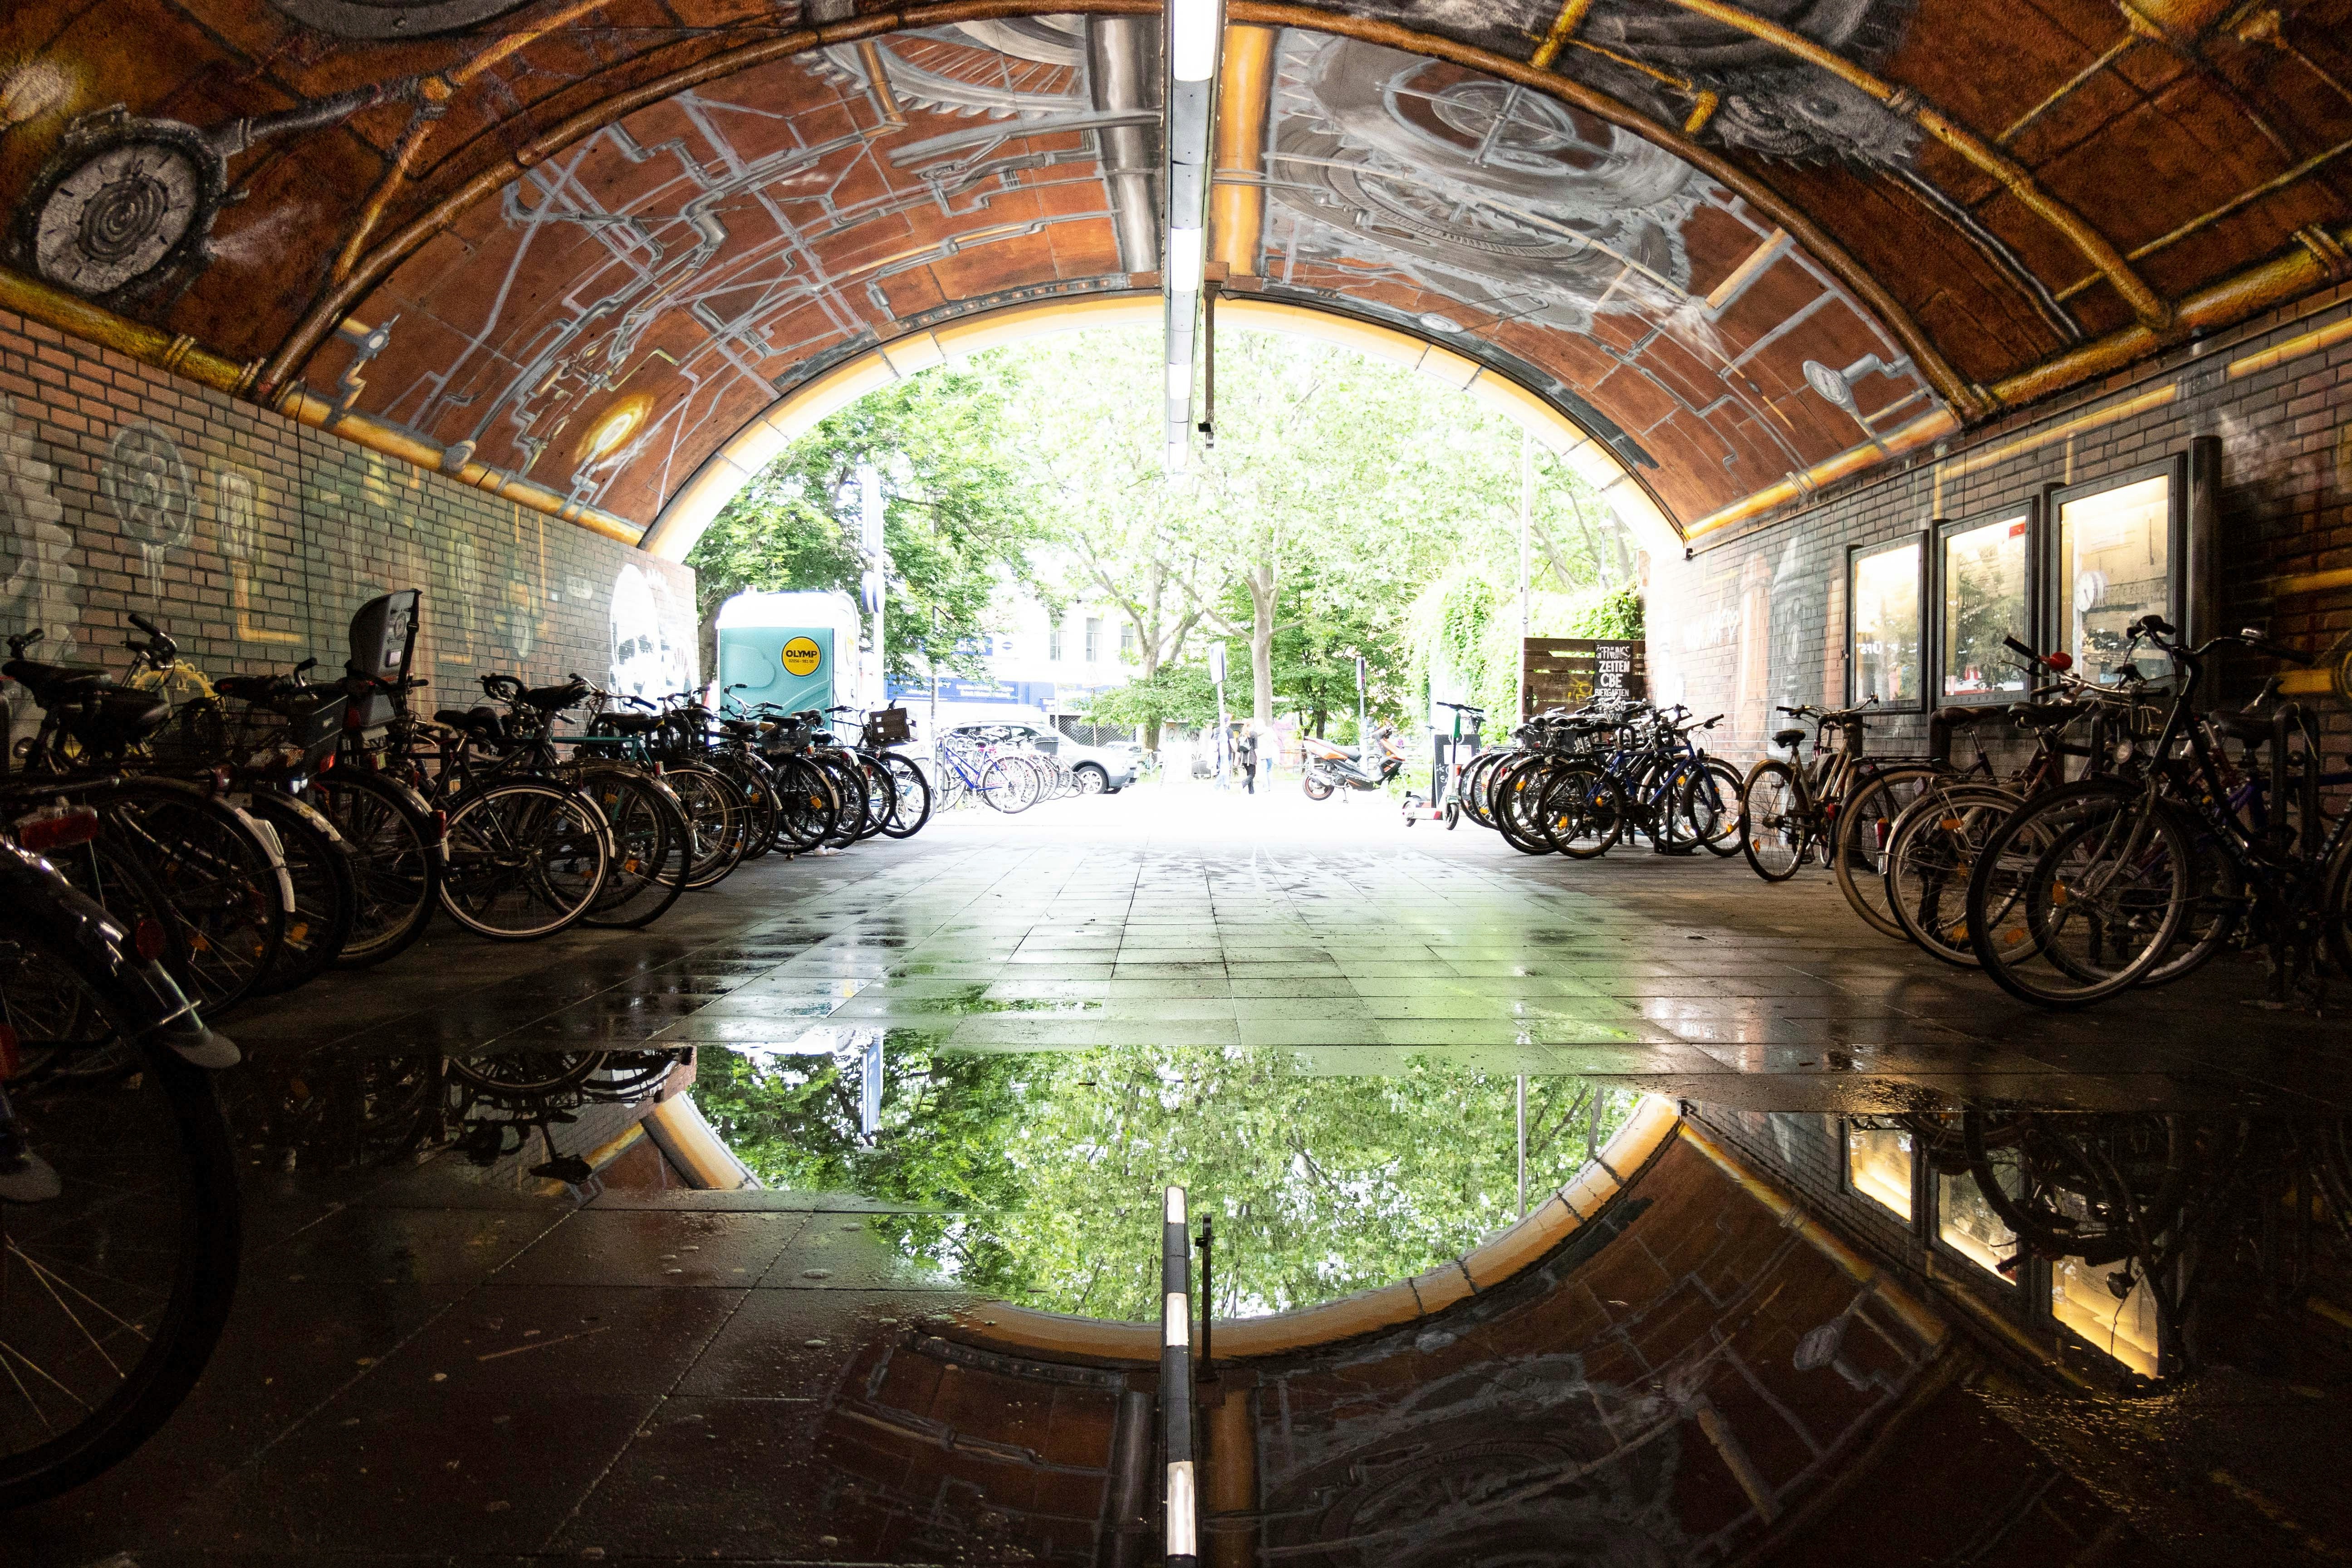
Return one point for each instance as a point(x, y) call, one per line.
point(252, 539)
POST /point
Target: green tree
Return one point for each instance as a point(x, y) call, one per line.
point(1043, 1172)
point(958, 515)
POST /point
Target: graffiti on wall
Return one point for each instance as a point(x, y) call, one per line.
point(649, 659)
point(39, 588)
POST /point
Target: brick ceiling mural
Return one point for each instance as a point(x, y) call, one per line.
point(584, 244)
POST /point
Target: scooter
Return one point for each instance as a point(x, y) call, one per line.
point(1330, 768)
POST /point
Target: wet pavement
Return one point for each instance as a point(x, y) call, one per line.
point(1336, 935)
point(450, 1347)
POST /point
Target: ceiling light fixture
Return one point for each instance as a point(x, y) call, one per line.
point(1185, 247)
point(1193, 46)
point(1195, 30)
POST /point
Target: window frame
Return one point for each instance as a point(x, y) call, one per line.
point(1943, 531)
point(2173, 466)
point(1855, 554)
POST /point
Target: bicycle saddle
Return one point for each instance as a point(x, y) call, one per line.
point(2045, 715)
point(2254, 728)
point(1786, 737)
point(114, 716)
point(1961, 718)
point(627, 723)
point(555, 699)
point(481, 719)
point(57, 677)
point(252, 687)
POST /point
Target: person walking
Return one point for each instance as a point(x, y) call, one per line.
point(1245, 757)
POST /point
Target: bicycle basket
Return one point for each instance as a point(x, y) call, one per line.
point(308, 721)
point(196, 735)
point(888, 727)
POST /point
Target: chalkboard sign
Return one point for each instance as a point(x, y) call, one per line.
point(1569, 673)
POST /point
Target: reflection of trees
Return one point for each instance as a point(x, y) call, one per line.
point(1985, 601)
point(1044, 1171)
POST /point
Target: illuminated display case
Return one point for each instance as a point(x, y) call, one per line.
point(1884, 651)
point(2117, 553)
point(1983, 592)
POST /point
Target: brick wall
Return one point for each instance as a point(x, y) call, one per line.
point(252, 539)
point(1759, 618)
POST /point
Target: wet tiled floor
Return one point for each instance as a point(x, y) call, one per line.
point(1341, 940)
point(430, 1363)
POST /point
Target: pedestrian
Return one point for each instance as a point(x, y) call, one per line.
point(1245, 754)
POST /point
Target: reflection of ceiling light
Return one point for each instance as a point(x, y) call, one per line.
point(1193, 26)
point(1437, 323)
point(1184, 261)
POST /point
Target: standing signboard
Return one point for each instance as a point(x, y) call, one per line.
point(1569, 673)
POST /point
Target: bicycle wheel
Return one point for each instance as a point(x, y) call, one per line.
point(806, 806)
point(326, 890)
point(653, 846)
point(1774, 826)
point(1008, 786)
point(1928, 859)
point(721, 822)
point(881, 794)
point(1866, 824)
point(113, 1290)
point(2078, 893)
point(758, 785)
point(849, 799)
point(911, 796)
point(2335, 908)
point(1582, 814)
point(1717, 791)
point(2216, 908)
point(395, 848)
point(525, 858)
point(223, 882)
point(520, 1077)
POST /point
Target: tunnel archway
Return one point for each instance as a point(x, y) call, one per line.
point(741, 457)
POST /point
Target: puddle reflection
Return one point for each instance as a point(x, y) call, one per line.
point(1036, 1177)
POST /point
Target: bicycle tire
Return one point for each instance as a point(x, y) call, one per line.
point(912, 792)
point(523, 859)
point(1865, 831)
point(721, 822)
point(326, 891)
point(395, 844)
point(1723, 781)
point(653, 846)
point(1774, 828)
point(2026, 855)
point(1928, 859)
point(221, 879)
point(115, 1140)
point(1583, 813)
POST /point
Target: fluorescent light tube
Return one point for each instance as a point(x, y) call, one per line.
point(1180, 383)
point(1195, 28)
point(1184, 247)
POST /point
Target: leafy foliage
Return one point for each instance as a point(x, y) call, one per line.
point(958, 515)
point(1048, 1169)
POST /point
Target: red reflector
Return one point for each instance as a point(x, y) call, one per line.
point(441, 824)
point(147, 940)
point(2061, 661)
point(57, 828)
point(8, 1058)
point(326, 762)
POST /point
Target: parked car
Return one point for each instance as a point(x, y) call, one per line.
point(1100, 770)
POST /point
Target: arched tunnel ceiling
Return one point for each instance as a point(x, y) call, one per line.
point(594, 240)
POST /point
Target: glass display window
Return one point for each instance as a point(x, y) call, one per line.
point(1984, 593)
point(2117, 557)
point(1884, 655)
point(1969, 1224)
point(1878, 1165)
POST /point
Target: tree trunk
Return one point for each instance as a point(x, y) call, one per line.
point(1262, 580)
